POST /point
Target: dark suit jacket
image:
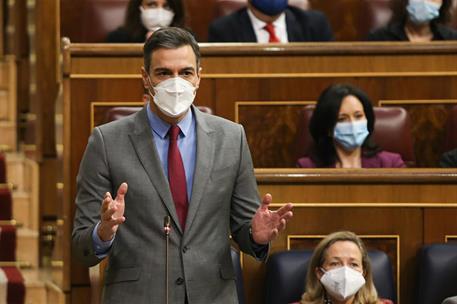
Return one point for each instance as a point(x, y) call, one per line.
point(301, 26)
point(396, 32)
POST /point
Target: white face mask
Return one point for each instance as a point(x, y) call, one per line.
point(153, 18)
point(174, 96)
point(343, 282)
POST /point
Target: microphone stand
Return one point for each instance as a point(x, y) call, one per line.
point(166, 229)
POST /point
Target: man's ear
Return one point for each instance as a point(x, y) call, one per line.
point(145, 77)
point(199, 75)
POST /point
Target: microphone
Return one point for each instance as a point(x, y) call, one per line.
point(166, 225)
point(166, 230)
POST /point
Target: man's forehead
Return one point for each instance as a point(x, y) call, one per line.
point(182, 57)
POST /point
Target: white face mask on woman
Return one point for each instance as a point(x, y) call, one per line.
point(154, 18)
point(343, 282)
point(174, 96)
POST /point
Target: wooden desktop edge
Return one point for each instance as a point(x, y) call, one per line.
point(253, 49)
point(356, 176)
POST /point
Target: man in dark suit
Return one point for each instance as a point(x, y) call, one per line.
point(270, 21)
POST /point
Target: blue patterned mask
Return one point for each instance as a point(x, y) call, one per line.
point(422, 11)
point(270, 7)
point(351, 135)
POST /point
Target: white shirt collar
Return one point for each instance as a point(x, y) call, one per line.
point(279, 25)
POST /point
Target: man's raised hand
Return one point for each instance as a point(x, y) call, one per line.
point(112, 213)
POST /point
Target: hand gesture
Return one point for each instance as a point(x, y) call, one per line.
point(267, 224)
point(112, 213)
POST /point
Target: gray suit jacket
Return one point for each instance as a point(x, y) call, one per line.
point(224, 199)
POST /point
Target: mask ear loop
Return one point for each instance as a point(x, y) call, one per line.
point(149, 88)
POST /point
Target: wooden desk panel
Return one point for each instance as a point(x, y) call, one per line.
point(411, 200)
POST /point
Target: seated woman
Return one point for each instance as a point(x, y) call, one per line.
point(341, 126)
point(418, 21)
point(339, 272)
point(144, 17)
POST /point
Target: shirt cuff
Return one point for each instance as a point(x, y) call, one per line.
point(101, 248)
point(260, 250)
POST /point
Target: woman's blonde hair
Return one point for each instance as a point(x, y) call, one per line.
point(315, 292)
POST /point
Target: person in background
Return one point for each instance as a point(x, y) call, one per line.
point(339, 272)
point(418, 21)
point(341, 127)
point(270, 21)
point(146, 16)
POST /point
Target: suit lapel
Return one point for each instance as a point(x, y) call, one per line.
point(246, 30)
point(143, 143)
point(203, 165)
point(293, 29)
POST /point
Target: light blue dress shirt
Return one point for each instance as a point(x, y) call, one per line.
point(187, 144)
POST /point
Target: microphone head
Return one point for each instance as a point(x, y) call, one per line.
point(166, 225)
point(166, 221)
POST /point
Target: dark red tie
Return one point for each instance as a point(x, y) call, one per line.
point(271, 31)
point(177, 176)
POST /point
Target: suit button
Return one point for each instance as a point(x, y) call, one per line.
point(179, 281)
point(185, 248)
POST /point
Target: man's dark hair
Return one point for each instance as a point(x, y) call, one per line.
point(169, 38)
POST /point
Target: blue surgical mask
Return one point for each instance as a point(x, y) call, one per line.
point(270, 7)
point(351, 135)
point(422, 11)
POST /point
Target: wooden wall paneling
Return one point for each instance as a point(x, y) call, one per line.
point(351, 20)
point(3, 9)
point(272, 128)
point(428, 126)
point(47, 44)
point(71, 14)
point(437, 221)
point(200, 13)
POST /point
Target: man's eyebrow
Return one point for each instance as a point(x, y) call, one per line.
point(189, 68)
point(161, 69)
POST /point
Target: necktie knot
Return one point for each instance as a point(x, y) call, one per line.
point(270, 28)
point(173, 132)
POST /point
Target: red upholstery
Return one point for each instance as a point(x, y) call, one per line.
point(7, 243)
point(450, 133)
point(225, 7)
point(15, 288)
point(119, 112)
point(5, 204)
point(392, 132)
point(2, 168)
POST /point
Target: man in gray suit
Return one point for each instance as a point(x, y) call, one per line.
point(175, 161)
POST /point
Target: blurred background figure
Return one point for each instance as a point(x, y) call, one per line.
point(145, 16)
point(418, 21)
point(340, 272)
point(271, 21)
point(342, 126)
